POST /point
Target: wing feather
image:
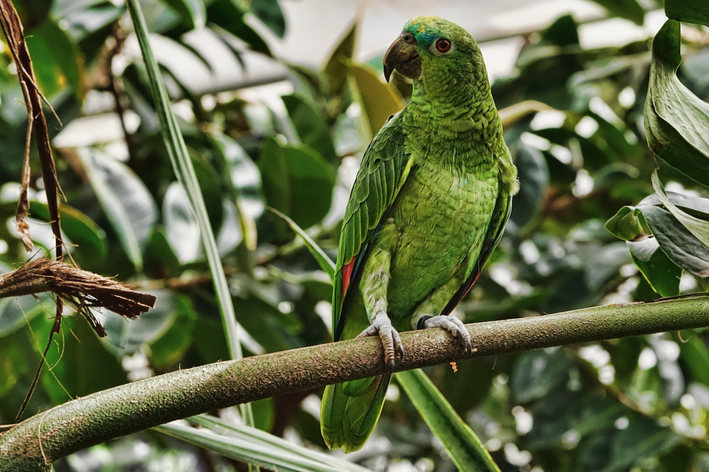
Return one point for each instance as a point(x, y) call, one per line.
point(385, 167)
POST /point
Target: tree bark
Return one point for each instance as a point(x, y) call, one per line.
point(78, 424)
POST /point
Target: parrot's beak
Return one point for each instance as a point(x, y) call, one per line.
point(403, 57)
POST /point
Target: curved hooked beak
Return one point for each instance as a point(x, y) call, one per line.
point(403, 57)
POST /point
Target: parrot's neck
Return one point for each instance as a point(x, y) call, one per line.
point(460, 103)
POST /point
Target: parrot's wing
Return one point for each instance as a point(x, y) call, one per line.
point(498, 220)
point(385, 167)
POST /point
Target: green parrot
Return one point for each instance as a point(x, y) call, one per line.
point(428, 207)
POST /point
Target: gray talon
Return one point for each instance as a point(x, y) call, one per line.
point(390, 339)
point(454, 326)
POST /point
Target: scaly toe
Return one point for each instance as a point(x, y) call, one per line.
point(454, 326)
point(391, 341)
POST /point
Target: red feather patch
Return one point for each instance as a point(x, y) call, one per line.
point(346, 276)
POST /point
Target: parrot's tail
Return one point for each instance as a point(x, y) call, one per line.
point(350, 411)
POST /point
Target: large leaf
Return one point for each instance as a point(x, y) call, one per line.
point(80, 363)
point(691, 11)
point(17, 312)
point(127, 336)
point(56, 59)
point(256, 447)
point(269, 11)
point(628, 9)
point(185, 172)
point(181, 227)
point(661, 273)
point(311, 127)
point(336, 66)
point(676, 120)
point(538, 373)
point(699, 228)
point(231, 15)
point(81, 230)
point(192, 11)
point(126, 201)
point(170, 348)
point(244, 184)
point(297, 181)
point(534, 172)
point(378, 100)
point(677, 242)
point(457, 438)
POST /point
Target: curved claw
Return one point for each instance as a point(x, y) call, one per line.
point(454, 326)
point(390, 339)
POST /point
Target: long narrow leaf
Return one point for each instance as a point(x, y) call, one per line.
point(325, 262)
point(255, 446)
point(185, 173)
point(462, 444)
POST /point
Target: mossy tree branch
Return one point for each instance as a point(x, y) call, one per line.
point(67, 428)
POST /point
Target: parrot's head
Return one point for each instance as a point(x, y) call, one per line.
point(432, 45)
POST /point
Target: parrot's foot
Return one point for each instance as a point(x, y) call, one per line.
point(451, 324)
point(381, 325)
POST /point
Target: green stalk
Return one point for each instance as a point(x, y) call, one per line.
point(184, 170)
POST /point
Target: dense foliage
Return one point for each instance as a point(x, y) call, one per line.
point(592, 224)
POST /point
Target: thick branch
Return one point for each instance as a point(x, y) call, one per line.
point(36, 442)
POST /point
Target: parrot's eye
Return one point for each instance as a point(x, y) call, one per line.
point(443, 45)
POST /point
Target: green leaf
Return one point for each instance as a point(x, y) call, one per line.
point(676, 120)
point(537, 373)
point(457, 438)
point(124, 198)
point(192, 12)
point(230, 15)
point(534, 172)
point(127, 336)
point(311, 127)
point(81, 230)
point(627, 224)
point(296, 181)
point(17, 312)
point(254, 446)
point(378, 100)
point(269, 11)
point(324, 262)
point(690, 11)
point(628, 9)
point(642, 438)
point(661, 273)
point(32, 12)
point(694, 355)
point(266, 324)
point(56, 60)
point(336, 66)
point(170, 348)
point(81, 363)
point(185, 172)
point(677, 242)
point(244, 184)
point(181, 227)
point(699, 228)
